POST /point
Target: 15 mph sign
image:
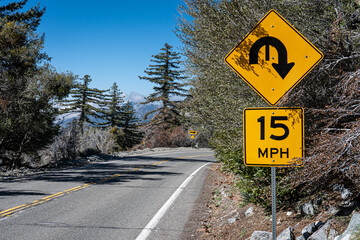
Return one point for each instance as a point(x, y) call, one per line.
point(273, 137)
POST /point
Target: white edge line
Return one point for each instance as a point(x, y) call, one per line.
point(156, 219)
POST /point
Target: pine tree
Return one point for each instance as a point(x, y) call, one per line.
point(31, 18)
point(129, 126)
point(166, 76)
point(112, 109)
point(86, 102)
point(28, 85)
point(121, 118)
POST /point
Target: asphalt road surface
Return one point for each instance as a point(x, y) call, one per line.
point(140, 197)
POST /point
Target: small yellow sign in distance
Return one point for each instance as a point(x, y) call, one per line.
point(193, 132)
point(273, 57)
point(273, 137)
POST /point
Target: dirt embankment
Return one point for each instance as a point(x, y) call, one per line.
point(220, 214)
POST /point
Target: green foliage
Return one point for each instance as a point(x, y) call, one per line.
point(101, 110)
point(209, 29)
point(112, 112)
point(86, 101)
point(127, 133)
point(330, 95)
point(28, 85)
point(121, 119)
point(166, 77)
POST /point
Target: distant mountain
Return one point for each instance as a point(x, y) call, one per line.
point(140, 109)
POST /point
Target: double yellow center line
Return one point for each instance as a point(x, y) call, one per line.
point(11, 211)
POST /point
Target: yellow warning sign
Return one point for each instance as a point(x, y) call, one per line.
point(193, 132)
point(273, 57)
point(273, 137)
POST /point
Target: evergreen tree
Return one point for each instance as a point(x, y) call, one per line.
point(129, 127)
point(28, 85)
point(121, 119)
point(86, 102)
point(112, 109)
point(166, 76)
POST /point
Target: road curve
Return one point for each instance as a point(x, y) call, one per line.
point(117, 199)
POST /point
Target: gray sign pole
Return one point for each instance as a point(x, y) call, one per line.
point(273, 201)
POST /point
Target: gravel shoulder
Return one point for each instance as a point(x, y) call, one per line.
point(220, 214)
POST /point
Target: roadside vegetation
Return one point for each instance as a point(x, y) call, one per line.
point(329, 94)
point(165, 129)
point(28, 86)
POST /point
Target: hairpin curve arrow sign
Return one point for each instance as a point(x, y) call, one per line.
point(273, 57)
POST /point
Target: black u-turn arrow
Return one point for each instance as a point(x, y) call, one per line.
point(282, 67)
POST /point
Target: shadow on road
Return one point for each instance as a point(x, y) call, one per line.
point(20, 192)
point(119, 169)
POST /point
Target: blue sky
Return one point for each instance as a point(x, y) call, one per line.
point(112, 40)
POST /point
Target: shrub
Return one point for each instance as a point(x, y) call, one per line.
point(71, 144)
point(96, 140)
point(172, 137)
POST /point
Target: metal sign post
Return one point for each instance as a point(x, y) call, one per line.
point(273, 201)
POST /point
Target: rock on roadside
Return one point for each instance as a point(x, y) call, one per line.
point(308, 230)
point(261, 235)
point(322, 233)
point(353, 228)
point(249, 212)
point(287, 234)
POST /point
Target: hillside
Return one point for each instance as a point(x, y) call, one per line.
point(222, 213)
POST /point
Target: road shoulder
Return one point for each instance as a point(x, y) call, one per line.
point(218, 213)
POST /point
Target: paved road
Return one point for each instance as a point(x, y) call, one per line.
point(111, 200)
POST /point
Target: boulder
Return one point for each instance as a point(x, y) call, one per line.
point(344, 192)
point(322, 233)
point(249, 212)
point(287, 234)
point(308, 230)
point(344, 237)
point(261, 235)
point(307, 209)
point(332, 234)
point(353, 227)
